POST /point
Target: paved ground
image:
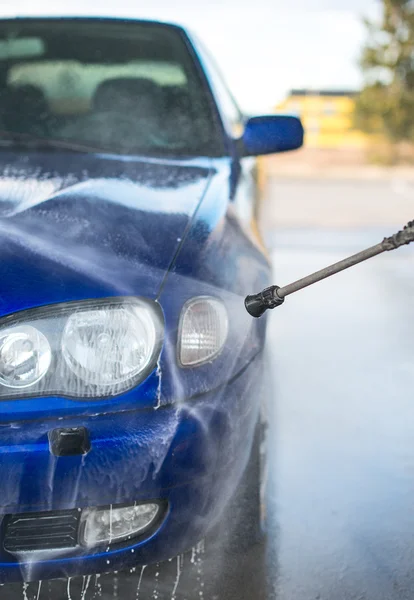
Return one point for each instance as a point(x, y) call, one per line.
point(343, 474)
point(339, 203)
point(341, 488)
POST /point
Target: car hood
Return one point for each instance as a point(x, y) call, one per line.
point(76, 226)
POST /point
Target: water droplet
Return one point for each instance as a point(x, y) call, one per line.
point(25, 586)
point(139, 582)
point(68, 589)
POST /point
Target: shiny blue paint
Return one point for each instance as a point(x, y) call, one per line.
point(81, 226)
point(183, 454)
point(273, 133)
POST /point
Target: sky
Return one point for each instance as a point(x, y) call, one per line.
point(264, 47)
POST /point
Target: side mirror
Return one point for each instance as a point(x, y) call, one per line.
point(270, 134)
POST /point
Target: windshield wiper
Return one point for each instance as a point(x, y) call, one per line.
point(28, 139)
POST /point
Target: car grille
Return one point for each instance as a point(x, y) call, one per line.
point(41, 531)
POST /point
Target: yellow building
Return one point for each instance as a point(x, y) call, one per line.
point(327, 116)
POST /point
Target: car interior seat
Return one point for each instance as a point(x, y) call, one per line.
point(139, 97)
point(25, 109)
point(124, 111)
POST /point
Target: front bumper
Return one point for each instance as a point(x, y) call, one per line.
point(189, 456)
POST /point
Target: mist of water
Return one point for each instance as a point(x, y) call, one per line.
point(115, 273)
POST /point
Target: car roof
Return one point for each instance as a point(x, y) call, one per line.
point(94, 17)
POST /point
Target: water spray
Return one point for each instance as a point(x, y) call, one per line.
point(273, 296)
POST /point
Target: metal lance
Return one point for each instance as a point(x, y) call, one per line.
point(273, 296)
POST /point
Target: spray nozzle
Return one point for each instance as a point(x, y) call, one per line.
point(257, 304)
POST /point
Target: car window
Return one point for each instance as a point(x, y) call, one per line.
point(232, 114)
point(69, 86)
point(125, 88)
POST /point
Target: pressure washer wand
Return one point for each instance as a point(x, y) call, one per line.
point(274, 296)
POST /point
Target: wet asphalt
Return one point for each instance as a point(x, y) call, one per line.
point(340, 499)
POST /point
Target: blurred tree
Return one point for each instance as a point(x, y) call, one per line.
point(386, 103)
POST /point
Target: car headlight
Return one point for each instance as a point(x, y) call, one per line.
point(203, 330)
point(88, 349)
point(25, 356)
point(109, 347)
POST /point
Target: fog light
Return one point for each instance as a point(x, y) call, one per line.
point(111, 525)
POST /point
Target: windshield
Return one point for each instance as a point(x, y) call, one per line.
point(123, 87)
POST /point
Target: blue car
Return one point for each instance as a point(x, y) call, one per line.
point(130, 373)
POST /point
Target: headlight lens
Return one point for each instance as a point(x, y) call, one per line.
point(109, 347)
point(97, 348)
point(25, 356)
point(203, 330)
